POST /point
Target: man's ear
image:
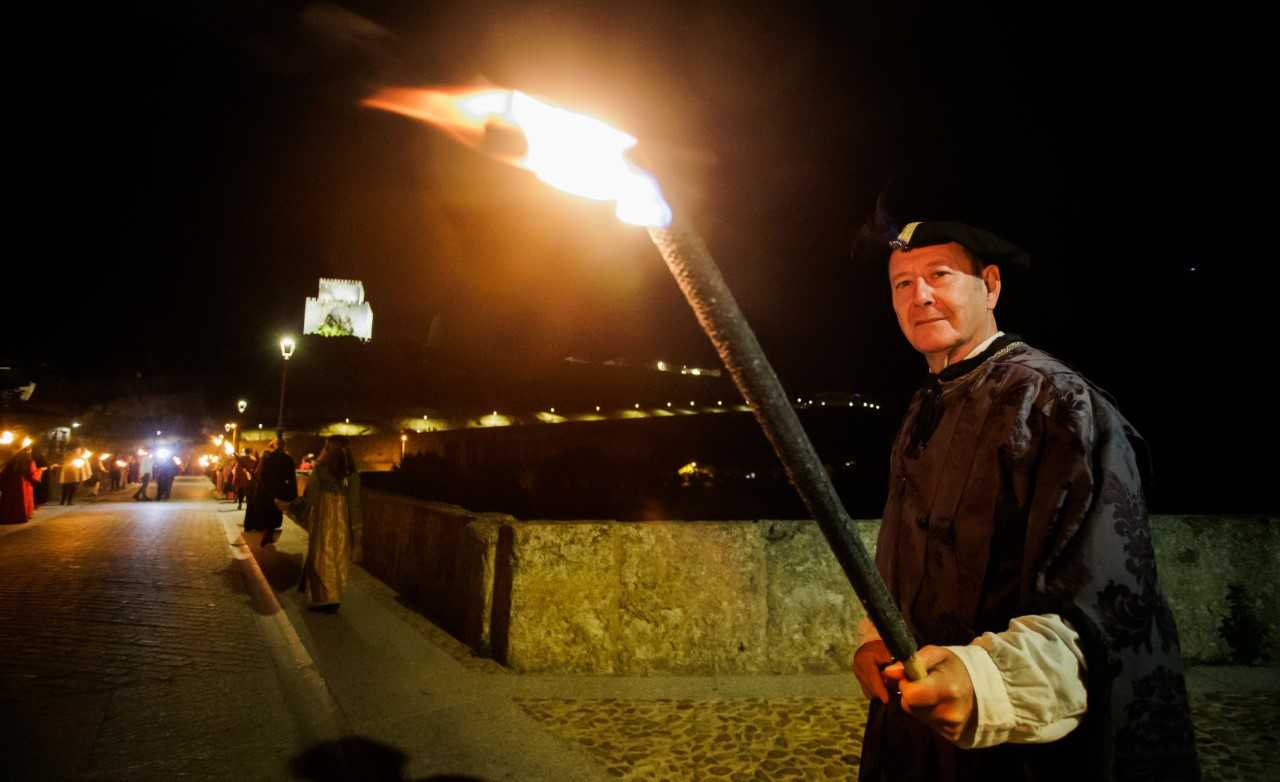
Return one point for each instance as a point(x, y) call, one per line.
point(991, 279)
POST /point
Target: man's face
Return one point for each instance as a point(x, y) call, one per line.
point(943, 302)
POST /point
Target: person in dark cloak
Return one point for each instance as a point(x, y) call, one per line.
point(164, 474)
point(246, 466)
point(1015, 540)
point(41, 494)
point(277, 479)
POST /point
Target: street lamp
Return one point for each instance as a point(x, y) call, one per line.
point(241, 406)
point(287, 346)
point(404, 438)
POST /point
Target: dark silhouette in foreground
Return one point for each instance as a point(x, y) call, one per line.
point(357, 758)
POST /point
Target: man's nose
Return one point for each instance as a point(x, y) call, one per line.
point(924, 294)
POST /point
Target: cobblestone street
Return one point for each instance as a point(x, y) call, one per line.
point(132, 649)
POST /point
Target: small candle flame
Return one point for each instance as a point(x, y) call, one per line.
point(572, 152)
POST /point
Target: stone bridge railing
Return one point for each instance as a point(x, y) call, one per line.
point(726, 596)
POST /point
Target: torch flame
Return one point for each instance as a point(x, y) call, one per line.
point(572, 152)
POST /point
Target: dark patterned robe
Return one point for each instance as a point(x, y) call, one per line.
point(1016, 488)
point(277, 480)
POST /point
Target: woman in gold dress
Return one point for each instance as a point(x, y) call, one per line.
point(330, 511)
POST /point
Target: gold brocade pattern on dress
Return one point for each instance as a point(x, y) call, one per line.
point(329, 551)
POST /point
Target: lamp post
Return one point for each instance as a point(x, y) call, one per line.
point(287, 346)
point(404, 438)
point(241, 405)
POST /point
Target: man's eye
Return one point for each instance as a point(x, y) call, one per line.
point(900, 284)
point(941, 273)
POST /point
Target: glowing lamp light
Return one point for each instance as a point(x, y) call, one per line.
point(26, 442)
point(163, 453)
point(571, 152)
point(6, 437)
point(75, 424)
point(597, 408)
point(228, 449)
point(404, 437)
point(104, 456)
point(553, 409)
point(242, 405)
point(86, 454)
point(177, 462)
point(77, 463)
point(203, 461)
point(121, 463)
point(287, 346)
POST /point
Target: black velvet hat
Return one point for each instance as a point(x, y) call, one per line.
point(982, 244)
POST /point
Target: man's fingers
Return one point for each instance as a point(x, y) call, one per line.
point(924, 694)
point(867, 662)
point(874, 689)
point(928, 656)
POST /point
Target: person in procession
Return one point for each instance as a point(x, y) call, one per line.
point(330, 511)
point(277, 479)
point(18, 481)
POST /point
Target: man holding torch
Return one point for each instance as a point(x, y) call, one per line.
point(1015, 540)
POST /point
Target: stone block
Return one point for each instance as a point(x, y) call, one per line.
point(561, 601)
point(813, 611)
point(692, 598)
point(474, 585)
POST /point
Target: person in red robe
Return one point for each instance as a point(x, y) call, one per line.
point(17, 488)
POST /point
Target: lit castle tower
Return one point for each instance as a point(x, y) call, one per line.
point(339, 311)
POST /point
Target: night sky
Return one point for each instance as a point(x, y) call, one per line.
point(193, 171)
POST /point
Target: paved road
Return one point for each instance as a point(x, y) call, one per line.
point(137, 643)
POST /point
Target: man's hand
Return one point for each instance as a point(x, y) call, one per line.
point(868, 665)
point(943, 699)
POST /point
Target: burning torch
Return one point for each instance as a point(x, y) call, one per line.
point(584, 156)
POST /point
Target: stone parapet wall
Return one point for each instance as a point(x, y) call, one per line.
point(1200, 558)
point(722, 597)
